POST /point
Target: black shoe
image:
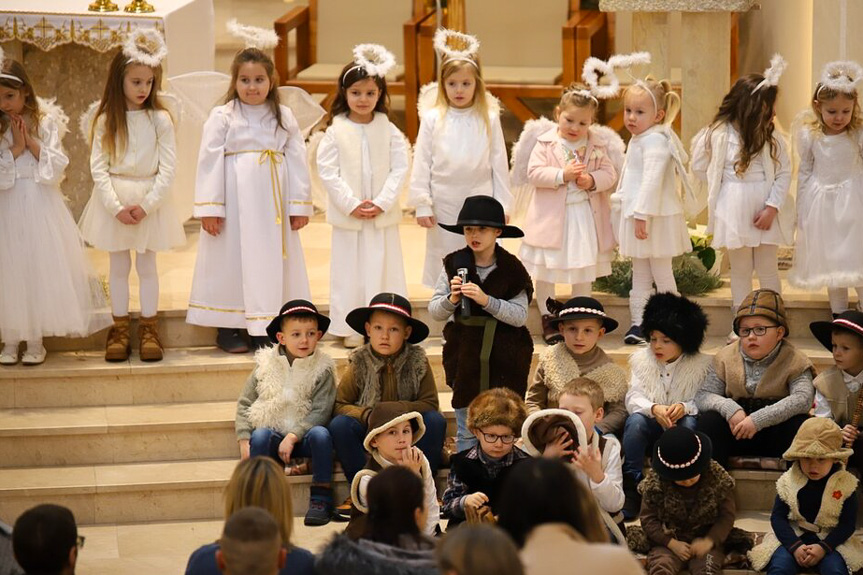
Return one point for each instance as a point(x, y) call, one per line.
point(633, 336)
point(320, 512)
point(260, 342)
point(632, 501)
point(231, 340)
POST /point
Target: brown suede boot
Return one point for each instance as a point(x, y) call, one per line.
point(118, 348)
point(150, 348)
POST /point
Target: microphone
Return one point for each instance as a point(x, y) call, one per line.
point(462, 261)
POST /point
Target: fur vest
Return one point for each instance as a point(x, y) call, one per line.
point(409, 366)
point(688, 376)
point(842, 402)
point(285, 390)
point(560, 367)
point(512, 351)
point(839, 487)
point(788, 364)
point(342, 555)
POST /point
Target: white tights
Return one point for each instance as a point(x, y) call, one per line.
point(645, 273)
point(743, 261)
point(148, 279)
point(839, 298)
point(545, 290)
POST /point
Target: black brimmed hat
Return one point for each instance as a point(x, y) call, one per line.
point(580, 308)
point(393, 303)
point(681, 454)
point(483, 211)
point(679, 318)
point(296, 307)
point(851, 321)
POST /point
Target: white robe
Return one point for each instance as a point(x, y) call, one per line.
point(368, 261)
point(245, 274)
point(454, 158)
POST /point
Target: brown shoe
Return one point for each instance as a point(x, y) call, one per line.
point(343, 511)
point(118, 348)
point(550, 334)
point(150, 348)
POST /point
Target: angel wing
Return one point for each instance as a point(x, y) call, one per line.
point(522, 190)
point(612, 142)
point(307, 112)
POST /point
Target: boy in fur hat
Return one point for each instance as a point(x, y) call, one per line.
point(837, 389)
point(389, 367)
point(570, 433)
point(582, 322)
point(758, 390)
point(288, 400)
point(476, 475)
point(665, 377)
point(815, 510)
point(392, 439)
point(688, 509)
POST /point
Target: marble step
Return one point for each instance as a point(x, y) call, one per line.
point(72, 436)
point(187, 375)
point(175, 332)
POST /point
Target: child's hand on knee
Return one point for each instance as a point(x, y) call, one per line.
point(475, 500)
point(660, 412)
point(675, 412)
point(680, 549)
point(286, 447)
point(701, 546)
point(801, 555)
point(245, 450)
point(814, 553)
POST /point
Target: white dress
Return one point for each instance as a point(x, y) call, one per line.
point(367, 261)
point(742, 197)
point(46, 285)
point(142, 176)
point(829, 247)
point(254, 175)
point(454, 158)
point(578, 259)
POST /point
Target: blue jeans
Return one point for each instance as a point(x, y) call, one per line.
point(783, 563)
point(464, 439)
point(639, 434)
point(316, 443)
point(349, 434)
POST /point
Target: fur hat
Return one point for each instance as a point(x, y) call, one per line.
point(389, 413)
point(766, 303)
point(679, 318)
point(497, 406)
point(850, 321)
point(299, 307)
point(680, 454)
point(818, 438)
point(541, 427)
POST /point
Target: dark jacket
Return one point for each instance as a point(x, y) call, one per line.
point(203, 562)
point(364, 557)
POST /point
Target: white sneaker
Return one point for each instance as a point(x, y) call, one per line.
point(353, 341)
point(34, 356)
point(9, 355)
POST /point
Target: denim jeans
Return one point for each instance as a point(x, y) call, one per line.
point(464, 438)
point(783, 563)
point(316, 443)
point(639, 435)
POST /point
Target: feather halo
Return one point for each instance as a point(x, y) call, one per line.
point(466, 48)
point(253, 36)
point(841, 76)
point(145, 46)
point(773, 73)
point(374, 59)
point(593, 67)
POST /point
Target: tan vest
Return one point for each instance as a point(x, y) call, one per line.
point(787, 365)
point(832, 386)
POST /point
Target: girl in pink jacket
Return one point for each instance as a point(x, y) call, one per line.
point(568, 236)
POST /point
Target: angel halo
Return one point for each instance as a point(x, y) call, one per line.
point(374, 59)
point(840, 77)
point(455, 46)
point(145, 46)
point(773, 73)
point(3, 74)
point(253, 36)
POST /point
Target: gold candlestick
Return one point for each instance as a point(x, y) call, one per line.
point(139, 7)
point(103, 6)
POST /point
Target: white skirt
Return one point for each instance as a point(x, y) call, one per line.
point(667, 237)
point(736, 207)
point(159, 231)
point(829, 247)
point(364, 263)
point(578, 260)
point(46, 285)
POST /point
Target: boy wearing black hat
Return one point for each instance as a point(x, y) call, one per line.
point(486, 342)
point(391, 367)
point(288, 401)
point(582, 322)
point(665, 377)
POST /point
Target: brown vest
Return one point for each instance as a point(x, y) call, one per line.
point(787, 365)
point(832, 386)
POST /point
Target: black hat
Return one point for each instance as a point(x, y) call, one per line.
point(851, 321)
point(680, 454)
point(393, 303)
point(296, 307)
point(580, 308)
point(483, 211)
point(679, 318)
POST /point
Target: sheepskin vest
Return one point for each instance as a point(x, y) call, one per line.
point(839, 487)
point(285, 389)
point(349, 141)
point(842, 402)
point(688, 376)
point(787, 365)
point(509, 363)
point(409, 366)
point(560, 367)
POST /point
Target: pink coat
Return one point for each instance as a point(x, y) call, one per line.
point(543, 227)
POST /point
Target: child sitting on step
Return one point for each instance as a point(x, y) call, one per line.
point(815, 510)
point(389, 367)
point(476, 475)
point(288, 401)
point(392, 440)
point(582, 322)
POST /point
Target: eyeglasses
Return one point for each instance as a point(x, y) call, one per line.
point(79, 543)
point(758, 330)
point(493, 437)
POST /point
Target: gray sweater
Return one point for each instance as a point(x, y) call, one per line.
point(512, 312)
